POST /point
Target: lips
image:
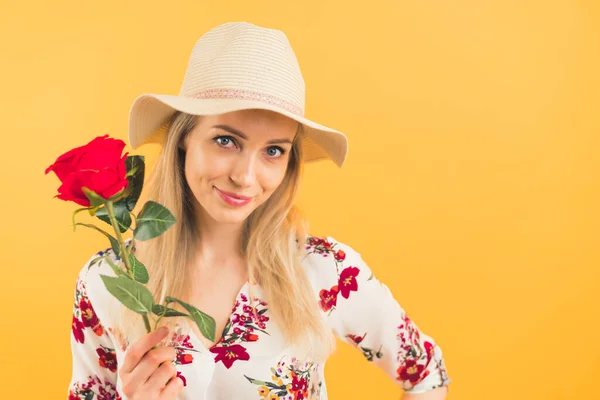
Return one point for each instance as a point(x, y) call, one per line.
point(235, 196)
point(233, 199)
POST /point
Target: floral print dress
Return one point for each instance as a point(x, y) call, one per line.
point(251, 361)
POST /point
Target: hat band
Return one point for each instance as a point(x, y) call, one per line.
point(249, 95)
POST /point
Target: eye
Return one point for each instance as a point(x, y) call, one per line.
point(271, 151)
point(223, 140)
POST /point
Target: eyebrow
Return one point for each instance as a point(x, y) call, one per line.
point(240, 134)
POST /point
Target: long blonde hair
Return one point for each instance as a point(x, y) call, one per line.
point(274, 237)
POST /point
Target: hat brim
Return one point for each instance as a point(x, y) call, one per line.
point(150, 112)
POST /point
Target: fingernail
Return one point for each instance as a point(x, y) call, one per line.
point(163, 330)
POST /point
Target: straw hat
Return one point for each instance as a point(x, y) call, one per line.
point(237, 66)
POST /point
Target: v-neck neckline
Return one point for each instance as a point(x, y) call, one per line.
point(196, 339)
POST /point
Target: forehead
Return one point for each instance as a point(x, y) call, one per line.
point(255, 122)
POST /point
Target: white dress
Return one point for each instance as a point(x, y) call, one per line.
point(250, 361)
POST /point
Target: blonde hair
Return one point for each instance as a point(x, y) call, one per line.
point(273, 241)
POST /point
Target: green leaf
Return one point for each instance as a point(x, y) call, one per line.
point(80, 210)
point(152, 221)
point(94, 261)
point(256, 381)
point(93, 210)
point(132, 294)
point(122, 215)
point(94, 198)
point(140, 273)
point(161, 310)
point(118, 271)
point(205, 322)
point(135, 176)
point(114, 243)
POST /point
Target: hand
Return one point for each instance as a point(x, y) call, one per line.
point(147, 372)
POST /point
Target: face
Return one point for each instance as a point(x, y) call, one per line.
point(235, 161)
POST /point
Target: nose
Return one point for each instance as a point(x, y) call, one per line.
point(243, 172)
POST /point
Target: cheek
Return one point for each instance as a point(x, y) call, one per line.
point(271, 179)
point(202, 167)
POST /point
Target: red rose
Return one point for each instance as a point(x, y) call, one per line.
point(97, 166)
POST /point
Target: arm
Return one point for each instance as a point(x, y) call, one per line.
point(435, 394)
point(364, 313)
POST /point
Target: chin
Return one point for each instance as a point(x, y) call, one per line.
point(230, 217)
point(225, 215)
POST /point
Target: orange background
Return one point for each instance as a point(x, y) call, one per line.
point(471, 188)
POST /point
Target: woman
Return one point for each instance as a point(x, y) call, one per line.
point(233, 145)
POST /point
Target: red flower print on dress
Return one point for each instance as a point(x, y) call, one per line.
point(368, 352)
point(107, 358)
point(94, 389)
point(346, 278)
point(328, 298)
point(250, 337)
point(355, 338)
point(182, 378)
point(183, 358)
point(84, 315)
point(183, 347)
point(295, 380)
point(229, 354)
point(88, 316)
point(340, 255)
point(411, 371)
point(241, 327)
point(414, 355)
point(299, 387)
point(347, 282)
point(77, 329)
point(321, 245)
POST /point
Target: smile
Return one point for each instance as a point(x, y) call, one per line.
point(233, 199)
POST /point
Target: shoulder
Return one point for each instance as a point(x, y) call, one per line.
point(327, 259)
point(326, 252)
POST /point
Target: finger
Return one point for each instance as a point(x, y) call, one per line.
point(135, 353)
point(150, 362)
point(159, 379)
point(172, 389)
